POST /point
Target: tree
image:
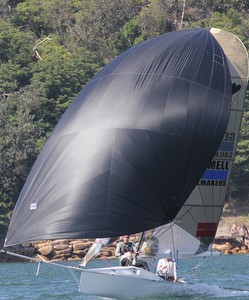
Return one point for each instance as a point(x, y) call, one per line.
point(96, 21)
point(240, 174)
point(18, 145)
point(15, 58)
point(59, 76)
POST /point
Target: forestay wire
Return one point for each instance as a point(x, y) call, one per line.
point(42, 260)
point(197, 266)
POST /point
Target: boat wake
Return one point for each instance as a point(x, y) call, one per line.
point(185, 291)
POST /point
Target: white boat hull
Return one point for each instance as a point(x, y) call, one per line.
point(119, 282)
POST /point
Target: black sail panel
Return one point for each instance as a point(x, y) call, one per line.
point(130, 149)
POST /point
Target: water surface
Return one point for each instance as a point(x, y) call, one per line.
point(223, 277)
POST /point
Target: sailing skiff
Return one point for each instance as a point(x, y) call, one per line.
point(147, 145)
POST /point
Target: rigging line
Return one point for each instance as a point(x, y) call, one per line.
point(38, 260)
point(75, 277)
point(141, 239)
point(149, 261)
point(188, 209)
point(197, 266)
point(107, 262)
point(202, 198)
point(161, 231)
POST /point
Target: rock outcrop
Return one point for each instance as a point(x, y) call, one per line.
point(65, 249)
point(228, 245)
point(58, 250)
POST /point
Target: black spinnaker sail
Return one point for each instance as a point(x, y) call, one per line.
point(130, 149)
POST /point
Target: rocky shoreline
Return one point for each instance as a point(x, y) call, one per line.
point(228, 245)
point(65, 249)
point(57, 250)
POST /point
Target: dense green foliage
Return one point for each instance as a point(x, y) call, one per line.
point(49, 49)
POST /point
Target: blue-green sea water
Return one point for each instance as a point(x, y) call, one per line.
point(223, 277)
